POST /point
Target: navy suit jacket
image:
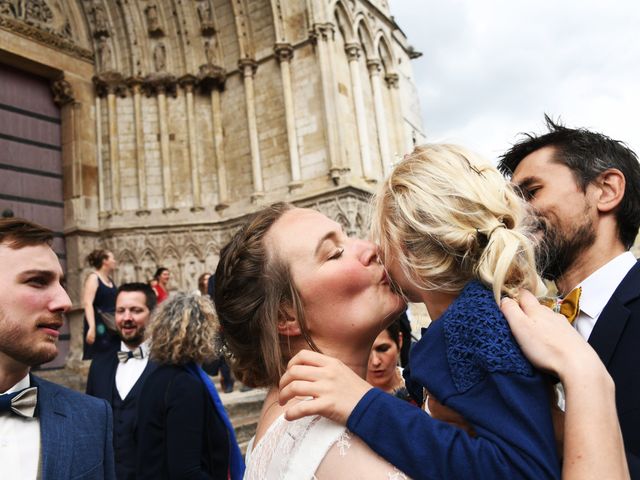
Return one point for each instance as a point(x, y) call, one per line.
point(101, 383)
point(616, 339)
point(75, 434)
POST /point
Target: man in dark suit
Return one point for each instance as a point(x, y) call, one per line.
point(584, 188)
point(46, 431)
point(117, 376)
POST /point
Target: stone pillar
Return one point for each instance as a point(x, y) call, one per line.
point(165, 152)
point(248, 68)
point(100, 178)
point(218, 139)
point(353, 53)
point(188, 83)
point(375, 68)
point(322, 34)
point(141, 167)
point(284, 54)
point(393, 84)
point(211, 81)
point(114, 154)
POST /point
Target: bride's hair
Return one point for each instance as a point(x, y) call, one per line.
point(252, 289)
point(446, 216)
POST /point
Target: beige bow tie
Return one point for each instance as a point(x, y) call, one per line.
point(125, 355)
point(22, 403)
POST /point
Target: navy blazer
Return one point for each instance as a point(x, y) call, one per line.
point(616, 339)
point(75, 433)
point(101, 383)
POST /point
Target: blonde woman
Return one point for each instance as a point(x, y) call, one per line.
point(452, 235)
point(183, 430)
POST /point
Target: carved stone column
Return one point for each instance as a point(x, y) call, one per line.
point(212, 80)
point(375, 68)
point(188, 83)
point(135, 84)
point(322, 34)
point(393, 84)
point(114, 153)
point(161, 85)
point(284, 54)
point(100, 178)
point(111, 84)
point(248, 68)
point(353, 54)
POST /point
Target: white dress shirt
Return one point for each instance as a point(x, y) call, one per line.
point(127, 374)
point(598, 288)
point(19, 442)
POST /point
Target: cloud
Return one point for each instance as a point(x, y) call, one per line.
point(491, 69)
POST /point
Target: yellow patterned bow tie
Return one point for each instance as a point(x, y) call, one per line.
point(569, 306)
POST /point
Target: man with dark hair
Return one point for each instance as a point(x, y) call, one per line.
point(117, 376)
point(584, 190)
point(47, 431)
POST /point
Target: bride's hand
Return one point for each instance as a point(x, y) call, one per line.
point(334, 388)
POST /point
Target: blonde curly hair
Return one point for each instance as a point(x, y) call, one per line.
point(185, 329)
point(447, 216)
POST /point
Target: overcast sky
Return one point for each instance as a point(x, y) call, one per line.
point(491, 68)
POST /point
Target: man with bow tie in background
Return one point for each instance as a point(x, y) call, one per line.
point(117, 376)
point(584, 188)
point(46, 431)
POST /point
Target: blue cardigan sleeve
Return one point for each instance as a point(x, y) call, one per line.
point(425, 448)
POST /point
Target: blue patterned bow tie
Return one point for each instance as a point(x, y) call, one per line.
point(125, 355)
point(22, 403)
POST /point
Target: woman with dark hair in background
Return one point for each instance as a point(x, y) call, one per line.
point(99, 302)
point(183, 430)
point(160, 283)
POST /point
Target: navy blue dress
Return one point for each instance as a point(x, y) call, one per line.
point(104, 301)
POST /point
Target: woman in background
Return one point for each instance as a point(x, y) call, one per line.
point(160, 283)
point(383, 371)
point(183, 430)
point(99, 302)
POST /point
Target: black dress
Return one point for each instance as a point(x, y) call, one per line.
point(105, 340)
point(179, 433)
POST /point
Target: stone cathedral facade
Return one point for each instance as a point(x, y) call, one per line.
point(177, 118)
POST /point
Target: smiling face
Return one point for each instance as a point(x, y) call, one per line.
point(565, 213)
point(32, 301)
point(132, 315)
point(164, 277)
point(383, 360)
point(344, 289)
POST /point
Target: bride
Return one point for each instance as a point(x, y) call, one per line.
point(291, 279)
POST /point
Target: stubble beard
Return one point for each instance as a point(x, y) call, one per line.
point(27, 351)
point(558, 251)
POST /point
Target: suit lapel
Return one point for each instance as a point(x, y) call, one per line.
point(55, 436)
point(612, 321)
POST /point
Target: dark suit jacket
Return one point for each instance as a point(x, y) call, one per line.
point(75, 433)
point(616, 339)
point(101, 383)
point(180, 434)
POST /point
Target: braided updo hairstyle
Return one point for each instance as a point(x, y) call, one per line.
point(252, 287)
point(447, 217)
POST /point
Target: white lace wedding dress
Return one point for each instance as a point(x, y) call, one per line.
point(314, 448)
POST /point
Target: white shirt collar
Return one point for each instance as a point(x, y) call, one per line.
point(21, 385)
point(144, 346)
point(598, 287)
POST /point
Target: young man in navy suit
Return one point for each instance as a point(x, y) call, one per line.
point(46, 431)
point(584, 188)
point(117, 376)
